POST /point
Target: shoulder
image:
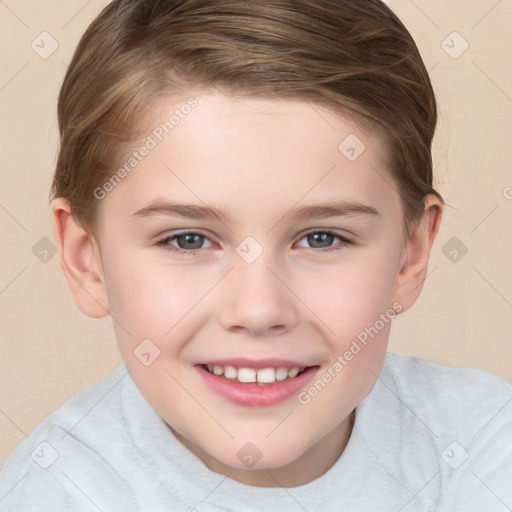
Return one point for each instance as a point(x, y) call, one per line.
point(457, 421)
point(436, 388)
point(70, 441)
point(418, 372)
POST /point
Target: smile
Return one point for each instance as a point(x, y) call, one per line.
point(260, 384)
point(268, 375)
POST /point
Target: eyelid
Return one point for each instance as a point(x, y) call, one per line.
point(347, 238)
point(343, 240)
point(185, 231)
point(164, 241)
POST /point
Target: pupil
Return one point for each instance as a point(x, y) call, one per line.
point(319, 240)
point(190, 241)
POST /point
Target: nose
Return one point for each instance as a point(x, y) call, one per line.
point(255, 299)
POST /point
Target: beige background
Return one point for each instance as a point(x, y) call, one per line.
point(49, 350)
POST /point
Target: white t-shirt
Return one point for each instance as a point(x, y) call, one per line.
point(426, 438)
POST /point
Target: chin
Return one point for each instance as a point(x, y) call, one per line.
point(260, 455)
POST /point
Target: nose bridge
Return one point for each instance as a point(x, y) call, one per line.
point(256, 280)
point(255, 299)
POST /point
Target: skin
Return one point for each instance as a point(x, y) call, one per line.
point(256, 160)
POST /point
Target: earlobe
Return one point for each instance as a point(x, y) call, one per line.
point(80, 261)
point(414, 268)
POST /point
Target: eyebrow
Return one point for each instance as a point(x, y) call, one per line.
point(332, 209)
point(200, 212)
point(188, 211)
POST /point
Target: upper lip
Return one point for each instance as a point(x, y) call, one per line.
point(256, 364)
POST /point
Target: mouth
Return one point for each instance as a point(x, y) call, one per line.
point(261, 376)
point(256, 384)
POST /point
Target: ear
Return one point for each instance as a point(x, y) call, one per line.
point(80, 260)
point(414, 268)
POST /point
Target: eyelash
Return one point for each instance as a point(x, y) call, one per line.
point(165, 242)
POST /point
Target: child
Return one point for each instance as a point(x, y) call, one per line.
point(246, 189)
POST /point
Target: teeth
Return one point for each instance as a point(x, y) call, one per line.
point(218, 370)
point(230, 372)
point(281, 373)
point(246, 375)
point(293, 372)
point(262, 376)
point(267, 375)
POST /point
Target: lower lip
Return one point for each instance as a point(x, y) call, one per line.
point(253, 394)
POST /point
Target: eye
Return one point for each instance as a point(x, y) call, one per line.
point(323, 240)
point(186, 242)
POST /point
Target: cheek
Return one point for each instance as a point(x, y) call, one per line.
point(355, 308)
point(154, 301)
point(350, 297)
point(140, 299)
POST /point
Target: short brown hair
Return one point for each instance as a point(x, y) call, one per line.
point(354, 56)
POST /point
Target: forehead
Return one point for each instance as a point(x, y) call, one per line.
point(248, 152)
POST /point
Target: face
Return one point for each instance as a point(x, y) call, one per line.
point(248, 245)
